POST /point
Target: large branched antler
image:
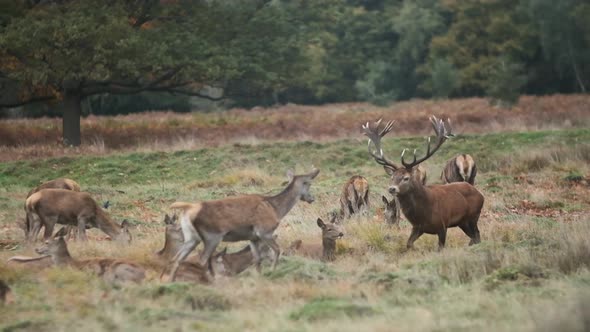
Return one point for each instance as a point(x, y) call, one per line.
point(375, 135)
point(442, 133)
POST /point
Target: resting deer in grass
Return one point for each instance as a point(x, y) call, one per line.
point(110, 269)
point(50, 206)
point(460, 169)
point(251, 218)
point(354, 197)
point(327, 250)
point(223, 263)
point(434, 208)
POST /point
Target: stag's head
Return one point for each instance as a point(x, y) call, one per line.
point(408, 176)
point(330, 231)
point(302, 183)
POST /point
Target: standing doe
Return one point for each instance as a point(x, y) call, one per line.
point(434, 208)
point(51, 206)
point(251, 218)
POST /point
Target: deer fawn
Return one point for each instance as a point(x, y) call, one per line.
point(327, 252)
point(434, 208)
point(354, 197)
point(391, 211)
point(108, 268)
point(460, 168)
point(241, 218)
point(50, 206)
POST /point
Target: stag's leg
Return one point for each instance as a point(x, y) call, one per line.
point(210, 240)
point(416, 233)
point(442, 237)
point(475, 239)
point(254, 246)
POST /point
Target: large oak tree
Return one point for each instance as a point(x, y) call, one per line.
point(65, 51)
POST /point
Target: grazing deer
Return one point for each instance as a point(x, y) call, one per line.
point(354, 197)
point(327, 251)
point(110, 269)
point(61, 183)
point(434, 208)
point(460, 169)
point(241, 218)
point(50, 206)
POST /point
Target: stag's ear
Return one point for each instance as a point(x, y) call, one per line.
point(384, 200)
point(388, 170)
point(125, 223)
point(321, 223)
point(61, 233)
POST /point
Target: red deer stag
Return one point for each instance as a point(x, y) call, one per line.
point(354, 197)
point(460, 169)
point(241, 218)
point(434, 208)
point(51, 206)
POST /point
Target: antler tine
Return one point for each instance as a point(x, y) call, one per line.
point(375, 135)
point(442, 133)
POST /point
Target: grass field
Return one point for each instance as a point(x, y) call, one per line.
point(530, 273)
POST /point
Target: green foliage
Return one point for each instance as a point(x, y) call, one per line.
point(506, 79)
point(444, 78)
point(145, 101)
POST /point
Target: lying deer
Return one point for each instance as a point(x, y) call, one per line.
point(50, 206)
point(237, 262)
point(460, 169)
point(434, 208)
point(354, 197)
point(110, 269)
point(61, 183)
point(327, 251)
point(240, 218)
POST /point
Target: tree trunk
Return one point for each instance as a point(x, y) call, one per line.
point(71, 119)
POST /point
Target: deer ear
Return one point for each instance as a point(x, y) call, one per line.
point(384, 200)
point(388, 170)
point(314, 173)
point(125, 223)
point(167, 219)
point(321, 223)
point(61, 233)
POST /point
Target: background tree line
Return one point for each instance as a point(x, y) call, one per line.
point(117, 56)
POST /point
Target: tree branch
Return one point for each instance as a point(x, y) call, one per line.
point(27, 101)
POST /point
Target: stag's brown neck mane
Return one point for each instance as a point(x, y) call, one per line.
point(412, 202)
point(284, 201)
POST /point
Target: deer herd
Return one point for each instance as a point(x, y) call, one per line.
point(430, 209)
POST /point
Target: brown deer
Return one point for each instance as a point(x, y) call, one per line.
point(391, 211)
point(222, 262)
point(434, 208)
point(61, 183)
point(240, 218)
point(327, 251)
point(461, 168)
point(236, 262)
point(354, 197)
point(110, 269)
point(6, 296)
point(50, 206)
